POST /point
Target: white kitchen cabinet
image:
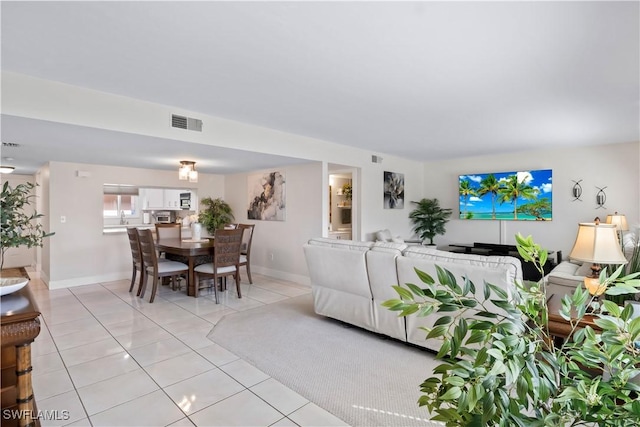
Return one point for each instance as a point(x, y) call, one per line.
point(340, 235)
point(172, 198)
point(161, 198)
point(153, 198)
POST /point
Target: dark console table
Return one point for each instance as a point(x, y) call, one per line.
point(20, 326)
point(529, 271)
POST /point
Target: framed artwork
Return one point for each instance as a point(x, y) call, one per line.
point(393, 190)
point(266, 196)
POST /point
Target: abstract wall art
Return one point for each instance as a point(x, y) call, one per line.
point(393, 190)
point(266, 196)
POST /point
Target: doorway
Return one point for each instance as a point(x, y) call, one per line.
point(342, 207)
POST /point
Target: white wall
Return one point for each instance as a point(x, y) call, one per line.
point(79, 252)
point(282, 239)
point(615, 166)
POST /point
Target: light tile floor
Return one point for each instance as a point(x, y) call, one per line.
point(105, 357)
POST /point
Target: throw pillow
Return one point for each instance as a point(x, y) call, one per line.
point(384, 235)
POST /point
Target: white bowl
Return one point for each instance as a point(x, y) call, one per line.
point(9, 285)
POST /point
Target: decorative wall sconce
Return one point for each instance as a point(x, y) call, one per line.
point(576, 190)
point(601, 197)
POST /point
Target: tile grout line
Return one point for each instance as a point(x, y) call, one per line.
point(131, 305)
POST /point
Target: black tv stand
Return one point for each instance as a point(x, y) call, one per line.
point(529, 271)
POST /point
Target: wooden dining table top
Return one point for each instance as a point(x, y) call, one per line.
point(185, 247)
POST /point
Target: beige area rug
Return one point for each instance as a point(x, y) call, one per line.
point(360, 377)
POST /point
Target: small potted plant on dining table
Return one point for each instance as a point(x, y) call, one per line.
point(216, 214)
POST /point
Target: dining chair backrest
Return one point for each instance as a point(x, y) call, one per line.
point(135, 246)
point(168, 231)
point(136, 257)
point(148, 249)
point(247, 237)
point(226, 248)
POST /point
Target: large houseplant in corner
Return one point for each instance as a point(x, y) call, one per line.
point(503, 368)
point(429, 219)
point(17, 227)
point(216, 214)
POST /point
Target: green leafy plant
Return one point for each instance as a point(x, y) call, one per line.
point(17, 227)
point(429, 219)
point(216, 215)
point(634, 262)
point(503, 367)
point(347, 191)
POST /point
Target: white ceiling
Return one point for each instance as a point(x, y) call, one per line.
point(420, 80)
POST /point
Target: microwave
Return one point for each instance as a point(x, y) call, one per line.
point(185, 200)
point(163, 217)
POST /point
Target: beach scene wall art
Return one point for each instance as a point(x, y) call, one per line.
point(509, 196)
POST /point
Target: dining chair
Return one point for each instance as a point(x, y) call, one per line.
point(226, 260)
point(136, 257)
point(245, 248)
point(168, 231)
point(153, 267)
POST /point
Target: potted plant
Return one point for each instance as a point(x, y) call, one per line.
point(216, 214)
point(429, 219)
point(505, 369)
point(347, 191)
point(17, 227)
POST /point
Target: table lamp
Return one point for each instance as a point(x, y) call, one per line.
point(620, 221)
point(598, 244)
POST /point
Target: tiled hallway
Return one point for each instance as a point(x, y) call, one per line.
point(105, 357)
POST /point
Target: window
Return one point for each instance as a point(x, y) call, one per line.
point(119, 200)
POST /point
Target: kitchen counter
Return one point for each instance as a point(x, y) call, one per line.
point(120, 229)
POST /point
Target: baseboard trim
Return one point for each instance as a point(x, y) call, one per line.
point(87, 280)
point(126, 275)
point(282, 275)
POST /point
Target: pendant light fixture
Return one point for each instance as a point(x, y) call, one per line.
point(187, 171)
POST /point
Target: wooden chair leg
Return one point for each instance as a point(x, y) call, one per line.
point(215, 288)
point(155, 288)
point(133, 277)
point(249, 274)
point(143, 285)
point(237, 277)
point(196, 285)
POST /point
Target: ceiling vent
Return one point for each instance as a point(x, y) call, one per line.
point(182, 122)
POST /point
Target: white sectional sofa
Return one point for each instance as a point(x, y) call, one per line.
point(566, 277)
point(350, 280)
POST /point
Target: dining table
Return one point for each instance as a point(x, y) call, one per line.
point(190, 249)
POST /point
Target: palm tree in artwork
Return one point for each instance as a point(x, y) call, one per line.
point(466, 191)
point(539, 208)
point(490, 185)
point(513, 189)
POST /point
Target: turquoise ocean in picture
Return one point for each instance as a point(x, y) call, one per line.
point(507, 196)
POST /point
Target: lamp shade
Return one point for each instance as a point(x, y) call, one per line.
point(619, 220)
point(597, 243)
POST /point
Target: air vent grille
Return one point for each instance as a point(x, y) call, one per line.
point(188, 123)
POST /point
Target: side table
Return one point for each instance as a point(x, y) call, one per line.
point(558, 326)
point(19, 326)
